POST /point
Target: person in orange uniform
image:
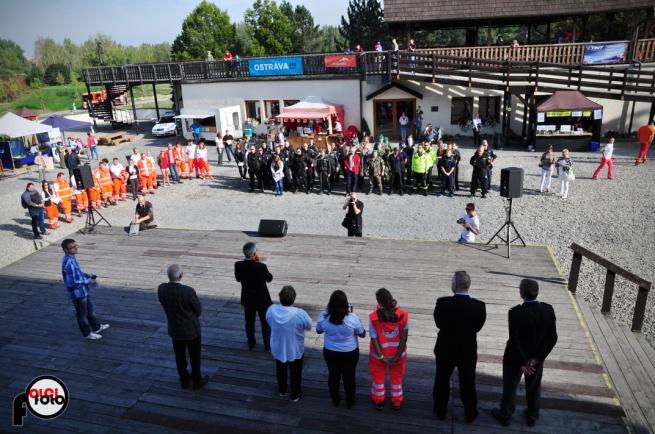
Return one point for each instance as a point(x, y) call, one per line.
point(646, 135)
point(93, 193)
point(50, 201)
point(145, 175)
point(190, 152)
point(180, 160)
point(104, 179)
point(81, 199)
point(119, 180)
point(65, 195)
point(388, 328)
point(153, 169)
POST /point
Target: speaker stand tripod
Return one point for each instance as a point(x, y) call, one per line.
point(509, 224)
point(91, 221)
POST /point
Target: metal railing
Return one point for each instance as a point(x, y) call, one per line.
point(612, 270)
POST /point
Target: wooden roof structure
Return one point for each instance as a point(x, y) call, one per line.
point(464, 13)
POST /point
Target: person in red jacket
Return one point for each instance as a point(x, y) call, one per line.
point(351, 164)
point(645, 135)
point(388, 328)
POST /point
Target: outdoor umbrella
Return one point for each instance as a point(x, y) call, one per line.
point(65, 124)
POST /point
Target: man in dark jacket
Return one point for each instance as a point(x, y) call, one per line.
point(255, 297)
point(182, 309)
point(310, 154)
point(532, 336)
point(31, 200)
point(325, 169)
point(253, 163)
point(299, 172)
point(397, 162)
point(72, 162)
point(459, 318)
point(481, 164)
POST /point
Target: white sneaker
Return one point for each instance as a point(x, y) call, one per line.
point(102, 328)
point(93, 336)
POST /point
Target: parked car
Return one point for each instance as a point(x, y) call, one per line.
point(166, 126)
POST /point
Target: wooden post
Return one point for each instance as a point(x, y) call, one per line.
point(136, 124)
point(574, 274)
point(154, 93)
point(610, 277)
point(525, 117)
point(640, 309)
point(389, 67)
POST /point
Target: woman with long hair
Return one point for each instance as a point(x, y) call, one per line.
point(547, 163)
point(388, 328)
point(50, 201)
point(340, 346)
point(565, 174)
point(277, 170)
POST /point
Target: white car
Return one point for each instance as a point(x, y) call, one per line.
point(166, 126)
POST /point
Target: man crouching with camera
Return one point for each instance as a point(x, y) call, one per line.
point(353, 220)
point(470, 224)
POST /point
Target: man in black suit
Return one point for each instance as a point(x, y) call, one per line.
point(532, 336)
point(459, 318)
point(182, 309)
point(255, 297)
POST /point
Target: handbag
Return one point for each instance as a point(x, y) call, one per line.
point(134, 229)
point(570, 176)
point(346, 223)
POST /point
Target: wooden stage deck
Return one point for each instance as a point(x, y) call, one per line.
point(127, 382)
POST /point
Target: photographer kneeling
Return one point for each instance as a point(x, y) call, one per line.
point(353, 220)
point(143, 215)
point(470, 223)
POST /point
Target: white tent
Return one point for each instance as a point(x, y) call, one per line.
point(12, 126)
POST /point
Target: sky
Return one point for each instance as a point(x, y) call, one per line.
point(130, 22)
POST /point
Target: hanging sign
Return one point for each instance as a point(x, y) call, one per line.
point(598, 54)
point(541, 117)
point(340, 61)
point(558, 114)
point(598, 114)
point(275, 66)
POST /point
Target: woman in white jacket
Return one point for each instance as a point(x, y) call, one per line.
point(277, 169)
point(288, 325)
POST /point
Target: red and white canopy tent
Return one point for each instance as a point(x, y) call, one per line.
point(312, 108)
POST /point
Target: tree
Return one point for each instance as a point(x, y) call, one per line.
point(270, 27)
point(305, 36)
point(244, 41)
point(331, 39)
point(206, 28)
point(12, 60)
point(57, 74)
point(365, 24)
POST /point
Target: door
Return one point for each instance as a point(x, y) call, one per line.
point(386, 114)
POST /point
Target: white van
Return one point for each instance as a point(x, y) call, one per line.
point(211, 121)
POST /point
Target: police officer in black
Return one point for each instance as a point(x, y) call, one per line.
point(254, 169)
point(480, 162)
point(298, 171)
point(325, 168)
point(264, 168)
point(492, 157)
point(446, 170)
point(397, 162)
point(286, 153)
point(333, 154)
point(408, 151)
point(310, 155)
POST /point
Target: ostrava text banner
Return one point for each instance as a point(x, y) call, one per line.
point(275, 66)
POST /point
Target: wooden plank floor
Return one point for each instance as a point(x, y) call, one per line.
point(127, 382)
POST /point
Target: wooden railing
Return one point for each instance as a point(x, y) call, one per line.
point(567, 54)
point(612, 270)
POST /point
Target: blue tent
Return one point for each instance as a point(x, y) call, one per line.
point(65, 124)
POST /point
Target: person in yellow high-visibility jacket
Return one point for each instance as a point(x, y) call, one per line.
point(420, 165)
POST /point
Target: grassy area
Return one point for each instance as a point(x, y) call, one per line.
point(61, 98)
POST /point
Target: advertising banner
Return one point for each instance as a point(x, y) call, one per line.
point(340, 61)
point(275, 66)
point(599, 54)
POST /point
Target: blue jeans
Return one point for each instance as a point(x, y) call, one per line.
point(86, 318)
point(279, 186)
point(351, 182)
point(404, 129)
point(174, 174)
point(38, 221)
point(196, 138)
point(93, 152)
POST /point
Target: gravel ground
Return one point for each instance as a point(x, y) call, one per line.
point(608, 217)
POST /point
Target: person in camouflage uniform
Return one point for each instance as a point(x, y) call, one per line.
point(376, 170)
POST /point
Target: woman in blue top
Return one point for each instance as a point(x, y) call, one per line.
point(340, 345)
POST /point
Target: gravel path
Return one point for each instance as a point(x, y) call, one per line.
point(608, 217)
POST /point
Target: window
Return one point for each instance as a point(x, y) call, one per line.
point(461, 110)
point(235, 120)
point(489, 109)
point(253, 111)
point(272, 107)
point(288, 102)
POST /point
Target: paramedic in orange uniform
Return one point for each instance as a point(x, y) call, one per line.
point(145, 175)
point(119, 180)
point(104, 179)
point(65, 195)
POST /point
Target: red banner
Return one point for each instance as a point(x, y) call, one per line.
point(341, 61)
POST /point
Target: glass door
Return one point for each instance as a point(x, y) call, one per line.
point(386, 115)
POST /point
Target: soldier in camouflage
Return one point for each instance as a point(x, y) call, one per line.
point(376, 169)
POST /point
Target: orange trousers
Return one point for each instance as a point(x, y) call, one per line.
point(181, 168)
point(119, 189)
point(153, 179)
point(81, 201)
point(202, 168)
point(67, 208)
point(378, 370)
point(52, 214)
point(192, 163)
point(107, 193)
point(146, 184)
point(94, 197)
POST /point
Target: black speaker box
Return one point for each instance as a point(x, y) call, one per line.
point(83, 177)
point(272, 228)
point(511, 182)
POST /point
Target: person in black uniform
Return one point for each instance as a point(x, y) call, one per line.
point(255, 298)
point(457, 155)
point(397, 162)
point(265, 168)
point(491, 156)
point(459, 318)
point(310, 155)
point(446, 169)
point(240, 158)
point(333, 154)
point(286, 153)
point(532, 336)
point(325, 168)
point(299, 172)
point(254, 169)
point(409, 151)
point(354, 221)
point(480, 163)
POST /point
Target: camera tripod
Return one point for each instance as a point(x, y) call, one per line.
point(91, 221)
point(509, 224)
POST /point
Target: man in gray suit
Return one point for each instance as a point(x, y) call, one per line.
point(182, 309)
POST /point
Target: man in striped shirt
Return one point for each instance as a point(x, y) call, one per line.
point(77, 286)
